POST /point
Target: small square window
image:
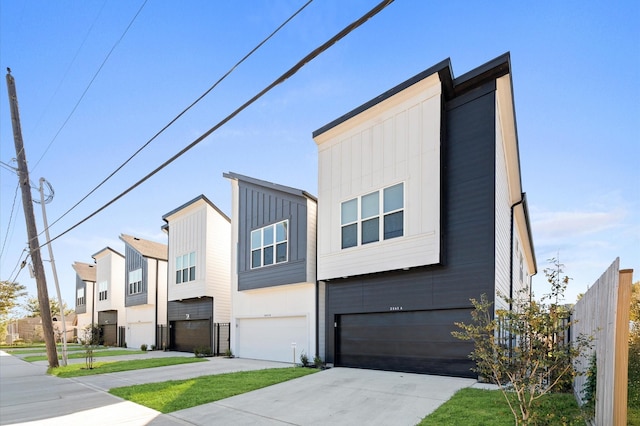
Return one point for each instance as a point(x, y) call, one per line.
point(350, 235)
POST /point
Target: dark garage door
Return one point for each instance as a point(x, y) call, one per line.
point(188, 335)
point(417, 341)
point(109, 334)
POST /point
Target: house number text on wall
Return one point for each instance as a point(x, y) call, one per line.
point(395, 308)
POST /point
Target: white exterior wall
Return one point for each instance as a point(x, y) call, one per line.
point(187, 234)
point(288, 306)
point(84, 320)
point(110, 268)
point(218, 257)
point(395, 141)
point(502, 221)
point(312, 239)
point(140, 326)
point(162, 292)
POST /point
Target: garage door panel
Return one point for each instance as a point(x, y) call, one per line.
point(188, 335)
point(416, 341)
point(271, 338)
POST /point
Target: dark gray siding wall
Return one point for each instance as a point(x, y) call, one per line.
point(134, 260)
point(260, 207)
point(468, 244)
point(190, 309)
point(81, 309)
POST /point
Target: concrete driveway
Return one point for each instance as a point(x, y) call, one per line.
point(337, 396)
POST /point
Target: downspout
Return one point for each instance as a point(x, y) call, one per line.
point(156, 307)
point(511, 254)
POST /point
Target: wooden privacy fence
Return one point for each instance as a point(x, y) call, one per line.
point(603, 312)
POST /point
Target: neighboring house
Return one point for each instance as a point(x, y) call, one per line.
point(109, 297)
point(85, 296)
point(145, 296)
point(273, 260)
point(420, 209)
point(199, 269)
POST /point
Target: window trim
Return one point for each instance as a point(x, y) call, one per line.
point(135, 287)
point(188, 272)
point(103, 291)
point(258, 236)
point(361, 221)
point(80, 300)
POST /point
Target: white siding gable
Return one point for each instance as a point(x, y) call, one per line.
point(395, 141)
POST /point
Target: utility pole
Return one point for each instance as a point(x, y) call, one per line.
point(53, 266)
point(32, 233)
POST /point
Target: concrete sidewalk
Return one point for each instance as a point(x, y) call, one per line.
point(338, 396)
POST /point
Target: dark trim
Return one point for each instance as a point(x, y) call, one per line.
point(513, 206)
point(269, 185)
point(195, 200)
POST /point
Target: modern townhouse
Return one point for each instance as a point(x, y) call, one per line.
point(85, 301)
point(420, 208)
point(109, 299)
point(199, 301)
point(273, 270)
point(145, 297)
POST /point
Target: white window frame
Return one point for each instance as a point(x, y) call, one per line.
point(80, 299)
point(103, 290)
point(185, 268)
point(364, 216)
point(135, 281)
point(261, 243)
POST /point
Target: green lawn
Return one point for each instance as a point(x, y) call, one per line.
point(76, 370)
point(176, 395)
point(41, 350)
point(96, 354)
point(477, 407)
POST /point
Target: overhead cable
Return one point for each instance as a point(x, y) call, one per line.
point(181, 113)
point(293, 70)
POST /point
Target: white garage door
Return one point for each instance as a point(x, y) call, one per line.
point(141, 333)
point(271, 338)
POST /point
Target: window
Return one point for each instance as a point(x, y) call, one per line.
point(269, 244)
point(186, 268)
point(102, 290)
point(366, 218)
point(135, 281)
point(80, 297)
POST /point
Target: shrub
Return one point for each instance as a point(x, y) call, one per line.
point(202, 351)
point(143, 347)
point(228, 353)
point(317, 361)
point(304, 359)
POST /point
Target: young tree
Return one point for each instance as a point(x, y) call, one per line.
point(523, 350)
point(32, 307)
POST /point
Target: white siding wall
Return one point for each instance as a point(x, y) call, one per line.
point(110, 268)
point(503, 220)
point(187, 234)
point(162, 292)
point(312, 236)
point(218, 255)
point(395, 141)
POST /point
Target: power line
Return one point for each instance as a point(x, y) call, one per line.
point(90, 84)
point(225, 75)
point(293, 70)
point(13, 206)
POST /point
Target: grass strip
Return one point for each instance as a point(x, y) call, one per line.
point(41, 350)
point(77, 370)
point(478, 407)
point(96, 354)
point(175, 395)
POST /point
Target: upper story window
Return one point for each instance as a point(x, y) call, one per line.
point(186, 268)
point(102, 290)
point(269, 244)
point(365, 219)
point(80, 299)
point(135, 281)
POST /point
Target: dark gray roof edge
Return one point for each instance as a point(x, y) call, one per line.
point(270, 185)
point(492, 69)
point(441, 68)
point(195, 200)
point(107, 248)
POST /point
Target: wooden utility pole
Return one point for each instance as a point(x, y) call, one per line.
point(32, 233)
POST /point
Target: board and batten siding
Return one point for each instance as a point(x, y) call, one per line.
point(134, 260)
point(110, 267)
point(502, 222)
point(199, 228)
point(260, 206)
point(396, 141)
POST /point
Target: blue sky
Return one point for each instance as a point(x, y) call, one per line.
point(576, 67)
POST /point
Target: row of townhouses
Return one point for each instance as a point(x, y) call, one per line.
point(420, 207)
